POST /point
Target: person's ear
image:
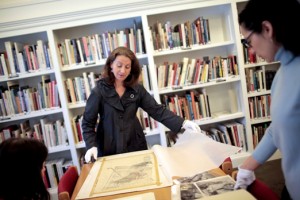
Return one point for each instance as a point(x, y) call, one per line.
point(267, 30)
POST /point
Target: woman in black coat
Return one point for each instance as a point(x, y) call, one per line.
point(116, 98)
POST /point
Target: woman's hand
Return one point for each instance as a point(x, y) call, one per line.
point(91, 153)
point(244, 178)
point(187, 124)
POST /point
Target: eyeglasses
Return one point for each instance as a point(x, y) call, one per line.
point(247, 42)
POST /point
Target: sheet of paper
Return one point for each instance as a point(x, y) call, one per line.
point(145, 196)
point(192, 153)
point(123, 173)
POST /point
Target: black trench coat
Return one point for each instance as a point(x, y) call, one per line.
point(119, 130)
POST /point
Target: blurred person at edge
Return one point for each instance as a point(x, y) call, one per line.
point(22, 164)
point(269, 28)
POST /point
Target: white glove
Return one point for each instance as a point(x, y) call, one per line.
point(187, 124)
point(244, 178)
point(91, 152)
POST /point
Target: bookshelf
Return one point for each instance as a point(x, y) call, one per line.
point(224, 91)
point(227, 95)
point(31, 98)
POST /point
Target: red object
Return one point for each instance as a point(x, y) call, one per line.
point(67, 183)
point(258, 188)
point(261, 191)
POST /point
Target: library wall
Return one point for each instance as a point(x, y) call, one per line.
point(218, 99)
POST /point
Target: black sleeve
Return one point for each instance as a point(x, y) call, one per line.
point(159, 112)
point(90, 117)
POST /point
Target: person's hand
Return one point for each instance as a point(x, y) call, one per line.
point(92, 152)
point(172, 137)
point(244, 178)
point(187, 124)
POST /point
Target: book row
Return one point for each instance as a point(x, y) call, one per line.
point(18, 99)
point(191, 106)
point(250, 56)
point(93, 48)
point(20, 58)
point(78, 89)
point(183, 35)
point(259, 106)
point(54, 170)
point(51, 132)
point(232, 133)
point(147, 123)
point(258, 131)
point(194, 71)
point(77, 128)
point(258, 79)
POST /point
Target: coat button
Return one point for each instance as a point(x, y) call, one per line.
point(132, 96)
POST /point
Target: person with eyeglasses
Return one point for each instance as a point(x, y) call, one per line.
point(247, 41)
point(116, 98)
point(269, 28)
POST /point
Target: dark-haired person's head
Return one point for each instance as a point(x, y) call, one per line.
point(267, 25)
point(21, 165)
point(134, 75)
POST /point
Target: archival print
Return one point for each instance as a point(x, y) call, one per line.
point(125, 173)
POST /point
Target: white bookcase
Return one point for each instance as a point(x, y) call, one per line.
point(228, 99)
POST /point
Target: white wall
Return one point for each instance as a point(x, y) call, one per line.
point(14, 10)
point(18, 15)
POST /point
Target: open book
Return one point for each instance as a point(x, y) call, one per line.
point(193, 153)
point(207, 185)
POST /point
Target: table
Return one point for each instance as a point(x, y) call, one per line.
point(160, 193)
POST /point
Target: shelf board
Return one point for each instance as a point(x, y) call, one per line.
point(260, 120)
point(76, 105)
point(27, 75)
point(199, 85)
point(82, 104)
point(148, 133)
point(251, 65)
point(32, 114)
point(152, 132)
point(221, 118)
point(97, 64)
point(239, 158)
point(53, 193)
point(80, 145)
point(261, 93)
point(189, 49)
point(58, 148)
point(82, 66)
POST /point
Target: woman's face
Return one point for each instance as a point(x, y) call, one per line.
point(121, 67)
point(262, 43)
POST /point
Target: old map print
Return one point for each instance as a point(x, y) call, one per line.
point(126, 173)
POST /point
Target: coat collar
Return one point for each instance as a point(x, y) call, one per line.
point(112, 98)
